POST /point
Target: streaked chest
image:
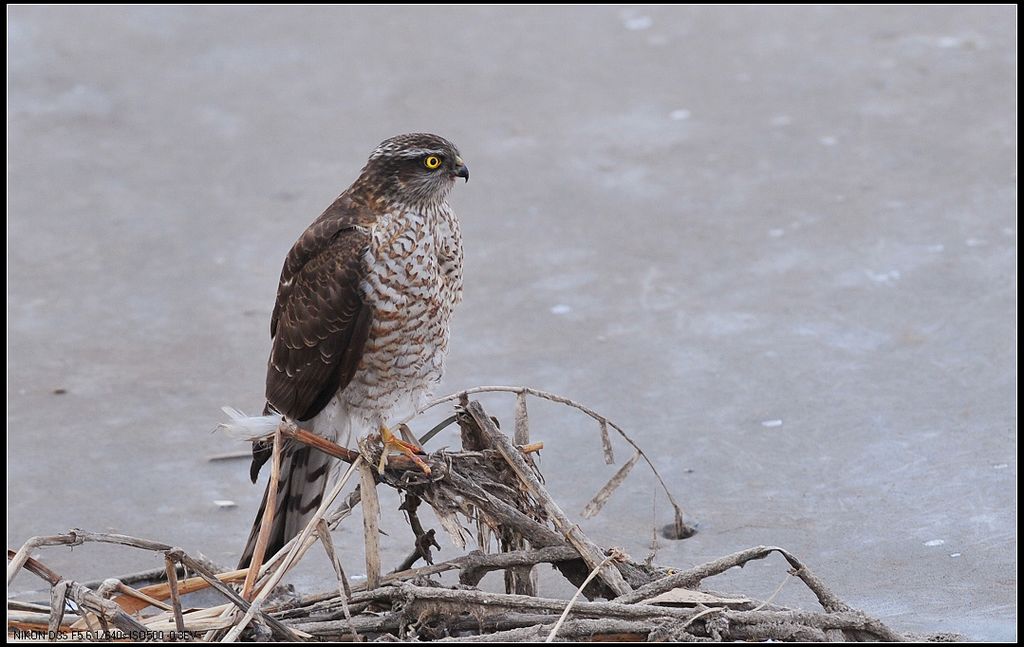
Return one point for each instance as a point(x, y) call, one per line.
point(415, 263)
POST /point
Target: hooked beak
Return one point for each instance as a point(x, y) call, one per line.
point(462, 170)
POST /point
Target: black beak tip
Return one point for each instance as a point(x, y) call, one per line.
point(463, 172)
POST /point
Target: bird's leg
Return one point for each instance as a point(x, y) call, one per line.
point(397, 444)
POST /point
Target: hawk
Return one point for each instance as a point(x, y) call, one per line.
point(360, 327)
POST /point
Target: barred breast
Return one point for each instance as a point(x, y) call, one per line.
point(413, 284)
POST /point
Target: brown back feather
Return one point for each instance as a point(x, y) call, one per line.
point(320, 321)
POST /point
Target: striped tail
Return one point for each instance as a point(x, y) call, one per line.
point(300, 490)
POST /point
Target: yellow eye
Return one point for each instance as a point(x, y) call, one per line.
point(432, 162)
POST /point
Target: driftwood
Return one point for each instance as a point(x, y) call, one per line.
point(491, 485)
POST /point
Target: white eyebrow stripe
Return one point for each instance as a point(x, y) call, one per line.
point(419, 152)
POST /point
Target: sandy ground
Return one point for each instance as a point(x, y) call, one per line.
point(777, 245)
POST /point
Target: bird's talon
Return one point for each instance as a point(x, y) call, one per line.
point(390, 441)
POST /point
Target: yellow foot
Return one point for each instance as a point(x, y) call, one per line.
point(392, 442)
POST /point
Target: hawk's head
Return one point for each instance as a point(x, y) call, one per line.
point(413, 168)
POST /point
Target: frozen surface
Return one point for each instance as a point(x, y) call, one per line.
point(777, 245)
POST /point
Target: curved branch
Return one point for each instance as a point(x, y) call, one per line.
point(681, 528)
point(689, 579)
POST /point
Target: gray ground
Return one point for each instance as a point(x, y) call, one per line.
point(778, 245)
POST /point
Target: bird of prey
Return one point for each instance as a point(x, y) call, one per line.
point(360, 327)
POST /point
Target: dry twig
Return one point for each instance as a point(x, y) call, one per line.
point(588, 550)
point(514, 506)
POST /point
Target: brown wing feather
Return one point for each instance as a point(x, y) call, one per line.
point(320, 321)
